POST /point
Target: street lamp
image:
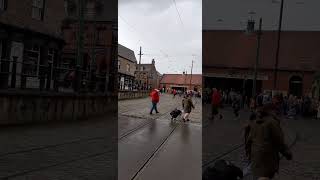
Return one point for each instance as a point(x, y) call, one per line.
point(250, 29)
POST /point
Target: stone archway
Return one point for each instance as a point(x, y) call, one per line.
point(296, 85)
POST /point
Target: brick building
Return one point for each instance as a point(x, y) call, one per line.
point(100, 39)
point(181, 82)
point(147, 76)
point(127, 63)
point(230, 55)
point(30, 31)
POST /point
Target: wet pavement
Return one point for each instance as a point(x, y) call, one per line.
point(60, 151)
point(153, 146)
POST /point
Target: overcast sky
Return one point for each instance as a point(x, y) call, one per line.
point(297, 14)
point(155, 25)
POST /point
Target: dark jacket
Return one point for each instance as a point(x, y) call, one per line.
point(264, 142)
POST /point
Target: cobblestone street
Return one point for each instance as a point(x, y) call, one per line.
point(153, 146)
point(62, 151)
point(222, 139)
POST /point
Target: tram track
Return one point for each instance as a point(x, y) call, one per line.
point(159, 147)
point(239, 147)
point(22, 173)
point(150, 121)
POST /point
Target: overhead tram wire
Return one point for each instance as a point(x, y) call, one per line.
point(134, 29)
point(179, 15)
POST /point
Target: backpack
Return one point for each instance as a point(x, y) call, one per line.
point(222, 170)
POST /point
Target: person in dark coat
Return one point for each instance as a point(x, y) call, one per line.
point(264, 142)
point(187, 105)
point(216, 102)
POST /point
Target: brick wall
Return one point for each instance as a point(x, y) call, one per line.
point(19, 13)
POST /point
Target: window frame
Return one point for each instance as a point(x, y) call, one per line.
point(38, 5)
point(3, 5)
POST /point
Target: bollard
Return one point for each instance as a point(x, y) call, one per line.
point(14, 71)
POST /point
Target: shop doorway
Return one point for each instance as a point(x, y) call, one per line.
point(295, 86)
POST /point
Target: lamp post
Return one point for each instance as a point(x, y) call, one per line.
point(250, 29)
point(278, 48)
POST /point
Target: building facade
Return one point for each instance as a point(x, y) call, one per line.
point(30, 41)
point(147, 76)
point(127, 63)
point(99, 50)
point(181, 82)
point(231, 55)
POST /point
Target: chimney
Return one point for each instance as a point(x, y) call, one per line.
point(153, 62)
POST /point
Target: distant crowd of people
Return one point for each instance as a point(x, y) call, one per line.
point(289, 105)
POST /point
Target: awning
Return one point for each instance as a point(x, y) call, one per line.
point(236, 76)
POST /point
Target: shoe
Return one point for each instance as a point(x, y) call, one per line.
point(183, 120)
point(150, 113)
point(157, 112)
point(188, 119)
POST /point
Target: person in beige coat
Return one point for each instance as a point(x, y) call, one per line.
point(187, 105)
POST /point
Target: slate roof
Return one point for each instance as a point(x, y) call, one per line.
point(126, 53)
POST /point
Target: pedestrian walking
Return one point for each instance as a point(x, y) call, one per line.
point(236, 104)
point(264, 142)
point(155, 100)
point(216, 100)
point(174, 92)
point(187, 105)
point(252, 104)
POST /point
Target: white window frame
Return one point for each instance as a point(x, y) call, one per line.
point(37, 9)
point(128, 67)
point(2, 5)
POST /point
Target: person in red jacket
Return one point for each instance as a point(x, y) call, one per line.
point(155, 100)
point(216, 100)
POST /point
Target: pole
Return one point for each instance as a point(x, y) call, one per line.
point(278, 48)
point(140, 54)
point(254, 90)
point(80, 44)
point(93, 53)
point(191, 74)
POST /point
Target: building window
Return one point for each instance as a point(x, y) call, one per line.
point(141, 68)
point(119, 65)
point(32, 61)
point(66, 8)
point(51, 55)
point(99, 38)
point(128, 67)
point(3, 4)
point(38, 9)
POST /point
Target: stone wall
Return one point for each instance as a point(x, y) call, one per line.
point(132, 94)
point(33, 107)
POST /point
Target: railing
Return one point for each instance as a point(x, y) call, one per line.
point(26, 75)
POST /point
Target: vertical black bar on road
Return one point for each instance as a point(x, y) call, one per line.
point(278, 48)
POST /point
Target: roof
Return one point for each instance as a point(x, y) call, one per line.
point(181, 79)
point(126, 53)
point(233, 48)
